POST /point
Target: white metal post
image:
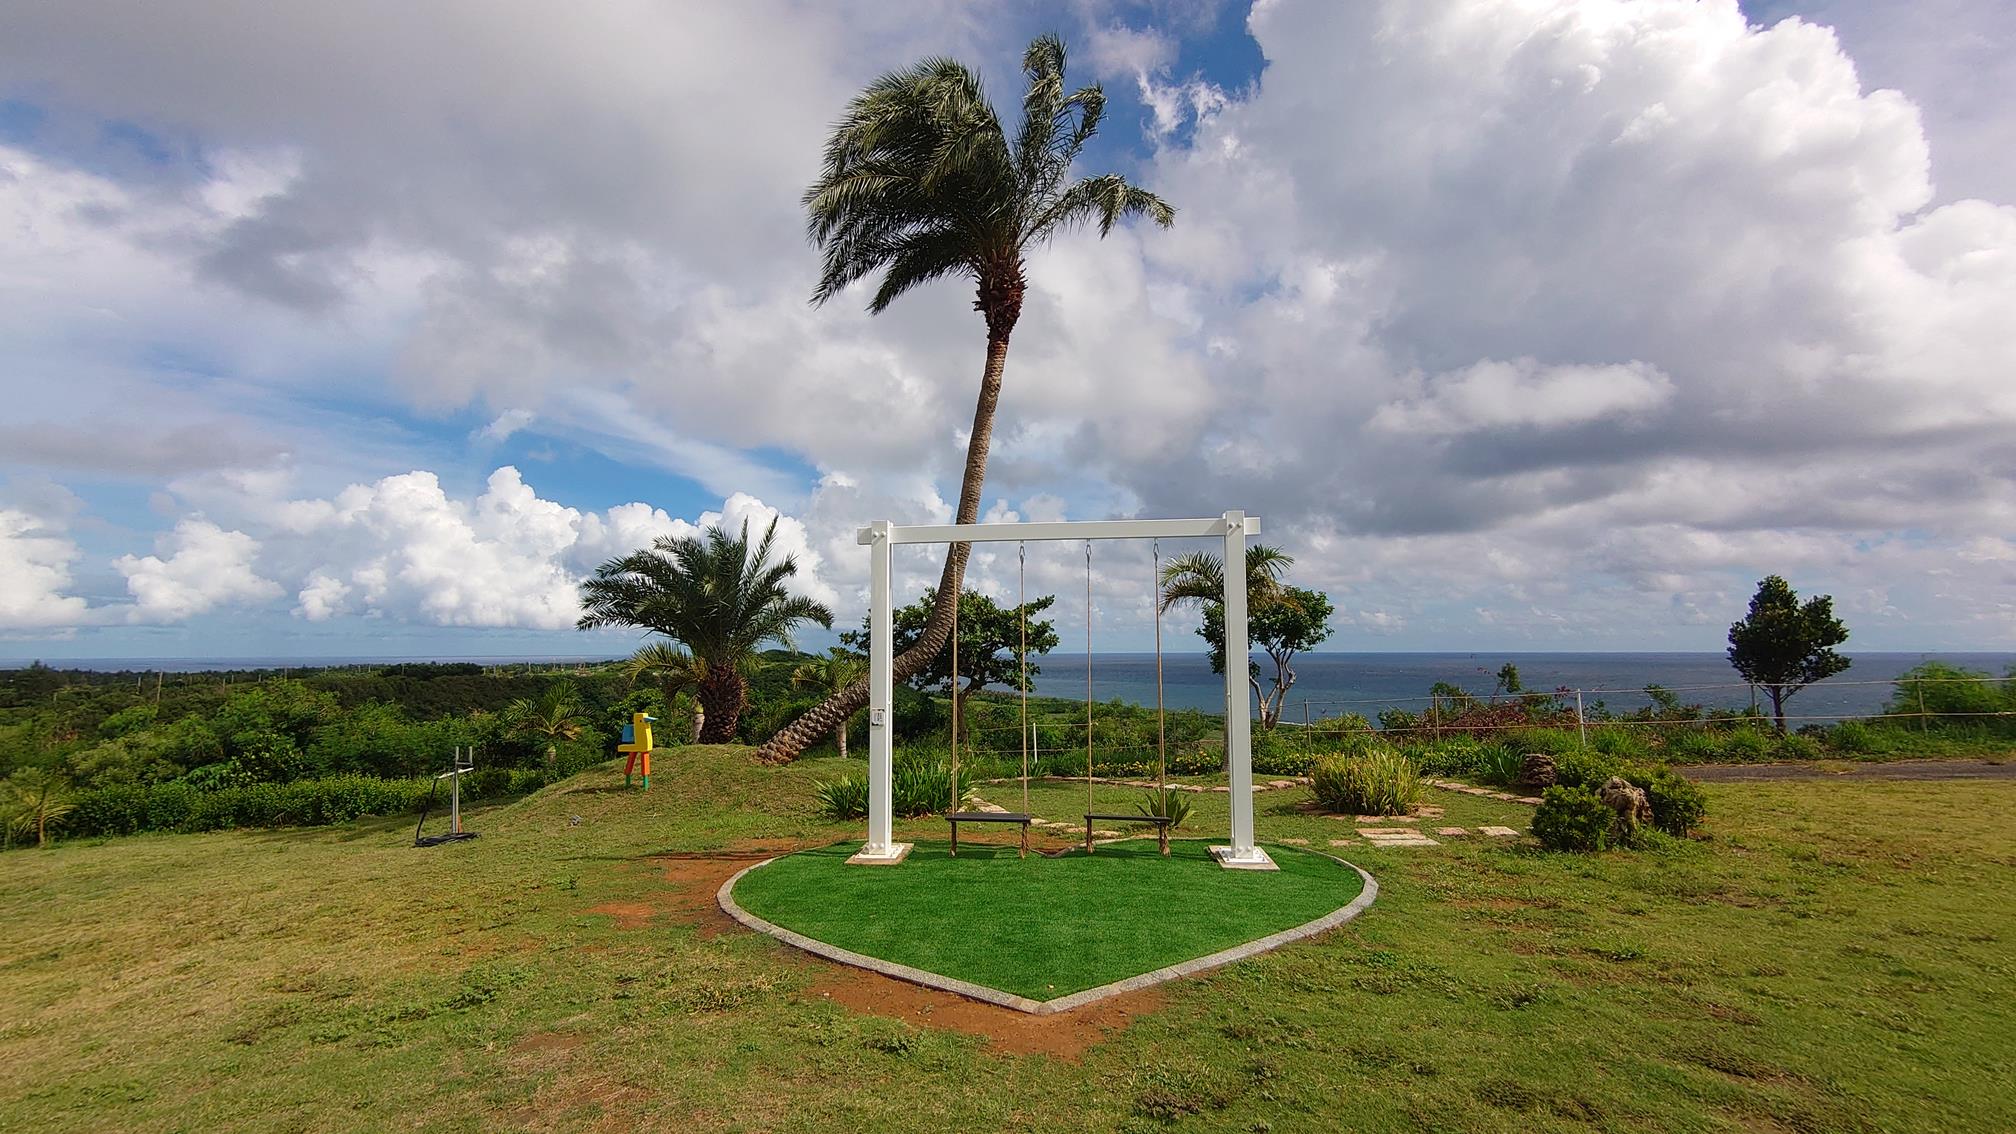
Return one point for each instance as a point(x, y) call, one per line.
point(1242, 854)
point(880, 847)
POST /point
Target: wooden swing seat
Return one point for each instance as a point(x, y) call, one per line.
point(1161, 827)
point(957, 817)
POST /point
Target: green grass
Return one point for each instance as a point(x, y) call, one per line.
point(1043, 927)
point(1832, 956)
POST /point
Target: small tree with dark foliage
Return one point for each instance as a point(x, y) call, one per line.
point(1785, 645)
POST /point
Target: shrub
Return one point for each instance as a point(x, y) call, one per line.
point(1678, 803)
point(1694, 746)
point(844, 798)
point(1458, 758)
point(1280, 763)
point(1500, 763)
point(124, 809)
point(1553, 741)
point(1858, 739)
point(1573, 819)
point(921, 785)
point(1747, 745)
point(1620, 743)
point(1377, 783)
point(1166, 803)
point(1797, 747)
point(1583, 769)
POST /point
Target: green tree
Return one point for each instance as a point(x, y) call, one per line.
point(1283, 626)
point(921, 182)
point(1508, 680)
point(556, 714)
point(830, 674)
point(674, 671)
point(1280, 619)
point(1784, 645)
point(713, 593)
point(990, 642)
point(36, 800)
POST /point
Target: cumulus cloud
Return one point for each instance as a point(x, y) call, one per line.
point(200, 566)
point(35, 561)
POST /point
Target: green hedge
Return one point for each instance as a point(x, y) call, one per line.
point(127, 809)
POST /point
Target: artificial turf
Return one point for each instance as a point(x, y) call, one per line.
point(1043, 927)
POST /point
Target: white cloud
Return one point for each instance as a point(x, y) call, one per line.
point(1523, 393)
point(204, 567)
point(34, 572)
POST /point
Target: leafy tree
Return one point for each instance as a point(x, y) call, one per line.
point(990, 638)
point(713, 593)
point(553, 716)
point(1280, 619)
point(36, 799)
point(836, 671)
point(674, 671)
point(1294, 621)
point(1508, 680)
point(921, 182)
point(1784, 645)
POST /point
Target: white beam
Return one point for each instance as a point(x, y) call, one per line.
point(1242, 854)
point(880, 847)
point(1074, 529)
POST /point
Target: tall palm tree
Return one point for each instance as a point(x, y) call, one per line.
point(675, 671)
point(553, 716)
point(832, 673)
point(921, 182)
point(714, 594)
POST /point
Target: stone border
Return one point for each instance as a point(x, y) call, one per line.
point(726, 898)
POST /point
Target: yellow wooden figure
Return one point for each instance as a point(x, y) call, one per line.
point(637, 742)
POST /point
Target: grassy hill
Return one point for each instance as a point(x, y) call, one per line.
point(1834, 956)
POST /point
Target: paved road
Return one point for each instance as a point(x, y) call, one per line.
point(1894, 770)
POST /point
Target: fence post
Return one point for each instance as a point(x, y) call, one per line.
point(1305, 714)
point(1924, 723)
point(1581, 726)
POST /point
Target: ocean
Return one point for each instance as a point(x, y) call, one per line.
point(1329, 683)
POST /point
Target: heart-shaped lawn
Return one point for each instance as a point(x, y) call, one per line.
point(1043, 928)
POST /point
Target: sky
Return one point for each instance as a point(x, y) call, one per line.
point(371, 329)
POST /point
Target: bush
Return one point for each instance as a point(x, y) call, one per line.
point(1678, 803)
point(1858, 739)
point(1500, 763)
point(125, 809)
point(1748, 745)
point(844, 798)
point(1377, 783)
point(1694, 746)
point(1584, 769)
point(1281, 762)
point(1553, 741)
point(1620, 743)
point(1573, 819)
point(1797, 747)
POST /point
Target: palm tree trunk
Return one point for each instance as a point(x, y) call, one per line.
point(835, 710)
point(840, 737)
point(722, 694)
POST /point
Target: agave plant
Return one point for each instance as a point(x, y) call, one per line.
point(1165, 803)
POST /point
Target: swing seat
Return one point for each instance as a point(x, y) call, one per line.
point(1161, 827)
point(957, 817)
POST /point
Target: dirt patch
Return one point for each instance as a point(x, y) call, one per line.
point(1008, 1032)
point(1892, 770)
point(694, 879)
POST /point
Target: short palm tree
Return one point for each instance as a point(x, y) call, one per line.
point(716, 595)
point(674, 671)
point(553, 716)
point(922, 182)
point(831, 674)
point(1200, 577)
point(36, 800)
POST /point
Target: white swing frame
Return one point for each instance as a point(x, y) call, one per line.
point(883, 537)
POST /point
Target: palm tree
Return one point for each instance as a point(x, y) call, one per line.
point(1199, 577)
point(36, 800)
point(555, 715)
point(714, 594)
point(832, 673)
point(921, 182)
point(675, 671)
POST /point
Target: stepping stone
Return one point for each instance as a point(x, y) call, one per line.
point(1296, 842)
point(1386, 819)
point(1529, 800)
point(1389, 832)
point(1428, 812)
point(1280, 783)
point(1343, 842)
point(1451, 831)
point(1500, 832)
point(1411, 839)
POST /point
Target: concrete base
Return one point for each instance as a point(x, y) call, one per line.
point(1257, 860)
point(896, 853)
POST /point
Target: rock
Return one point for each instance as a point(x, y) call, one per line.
point(1629, 802)
point(1536, 769)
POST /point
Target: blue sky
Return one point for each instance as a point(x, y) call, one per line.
point(1526, 327)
